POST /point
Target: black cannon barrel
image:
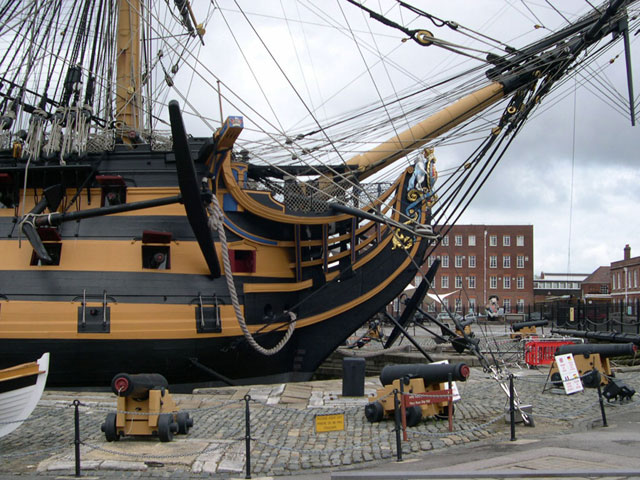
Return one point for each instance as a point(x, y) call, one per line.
point(617, 337)
point(137, 385)
point(465, 322)
point(429, 372)
point(605, 350)
point(531, 323)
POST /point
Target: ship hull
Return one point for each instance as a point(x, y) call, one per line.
point(193, 361)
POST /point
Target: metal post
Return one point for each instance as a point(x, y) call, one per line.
point(604, 416)
point(403, 410)
point(247, 435)
point(512, 408)
point(396, 407)
point(450, 402)
point(76, 404)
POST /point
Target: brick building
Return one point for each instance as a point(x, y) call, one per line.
point(597, 286)
point(478, 261)
point(624, 278)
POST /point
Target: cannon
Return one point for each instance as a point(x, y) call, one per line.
point(145, 407)
point(465, 325)
point(526, 329)
point(615, 337)
point(592, 362)
point(430, 379)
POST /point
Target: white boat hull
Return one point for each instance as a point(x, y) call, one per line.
point(16, 405)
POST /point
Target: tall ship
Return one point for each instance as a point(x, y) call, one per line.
point(143, 230)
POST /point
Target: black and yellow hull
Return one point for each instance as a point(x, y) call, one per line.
point(102, 308)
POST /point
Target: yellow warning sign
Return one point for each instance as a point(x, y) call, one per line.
point(330, 423)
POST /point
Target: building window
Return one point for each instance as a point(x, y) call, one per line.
point(507, 305)
point(635, 278)
point(444, 282)
point(472, 240)
point(429, 260)
point(458, 281)
point(431, 307)
point(472, 305)
point(604, 289)
point(519, 240)
point(471, 281)
point(520, 283)
point(506, 282)
point(445, 305)
point(493, 240)
point(472, 261)
point(506, 241)
point(445, 241)
point(445, 261)
point(458, 240)
point(613, 279)
point(506, 261)
point(493, 281)
point(458, 305)
point(521, 305)
point(619, 282)
point(417, 279)
point(458, 261)
point(493, 261)
point(520, 261)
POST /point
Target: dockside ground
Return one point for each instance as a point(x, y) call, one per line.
point(568, 437)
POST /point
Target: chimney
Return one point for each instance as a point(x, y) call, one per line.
point(627, 252)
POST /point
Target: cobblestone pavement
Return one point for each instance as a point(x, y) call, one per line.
point(284, 440)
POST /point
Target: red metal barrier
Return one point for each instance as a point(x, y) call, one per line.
point(541, 352)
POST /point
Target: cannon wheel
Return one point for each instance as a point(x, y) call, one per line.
point(166, 427)
point(109, 428)
point(184, 422)
point(374, 412)
point(444, 413)
point(591, 379)
point(413, 415)
point(459, 344)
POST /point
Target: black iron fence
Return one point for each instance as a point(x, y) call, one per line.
point(622, 317)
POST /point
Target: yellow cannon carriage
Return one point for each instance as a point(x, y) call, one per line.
point(145, 407)
point(428, 379)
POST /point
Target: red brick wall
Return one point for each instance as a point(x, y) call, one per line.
point(483, 271)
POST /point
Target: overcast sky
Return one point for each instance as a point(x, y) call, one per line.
point(579, 224)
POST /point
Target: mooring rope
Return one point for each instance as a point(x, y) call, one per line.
point(216, 221)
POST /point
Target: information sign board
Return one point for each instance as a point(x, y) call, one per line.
point(569, 373)
point(330, 423)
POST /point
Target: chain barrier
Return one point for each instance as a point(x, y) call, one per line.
point(30, 418)
point(33, 452)
point(270, 413)
point(476, 428)
point(146, 455)
point(324, 451)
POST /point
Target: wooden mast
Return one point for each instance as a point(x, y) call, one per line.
point(128, 78)
point(415, 137)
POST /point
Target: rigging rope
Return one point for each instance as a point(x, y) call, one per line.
point(216, 223)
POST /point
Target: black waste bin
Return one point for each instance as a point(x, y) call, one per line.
point(353, 377)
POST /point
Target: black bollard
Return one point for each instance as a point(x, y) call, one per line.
point(604, 416)
point(396, 406)
point(512, 408)
point(450, 403)
point(76, 404)
point(247, 435)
